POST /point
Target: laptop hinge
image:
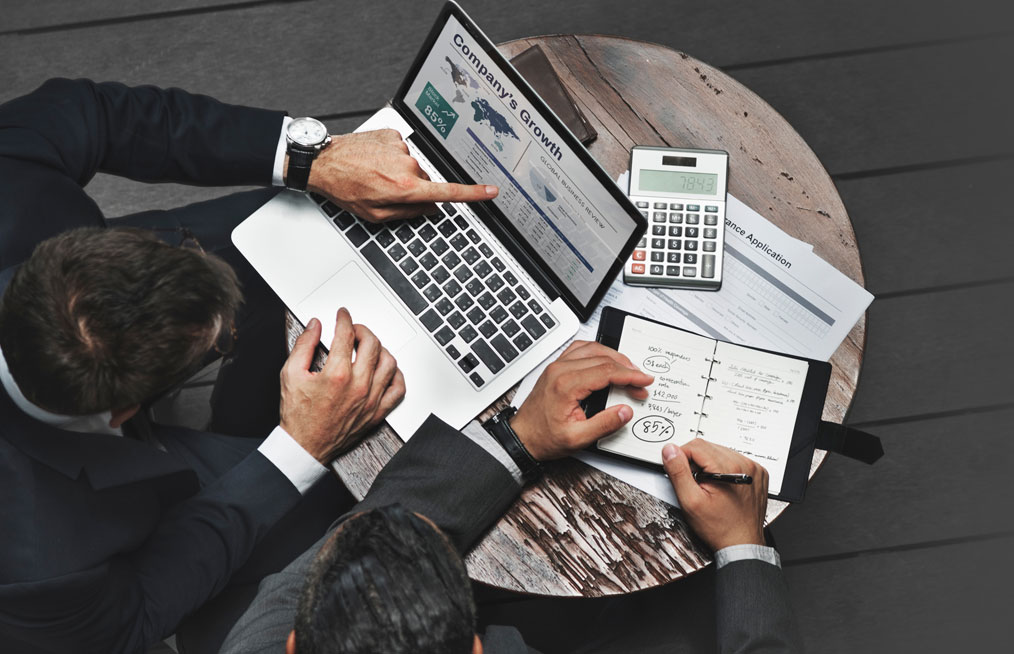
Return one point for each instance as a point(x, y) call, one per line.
point(489, 219)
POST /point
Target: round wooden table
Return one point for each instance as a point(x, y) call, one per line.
point(578, 531)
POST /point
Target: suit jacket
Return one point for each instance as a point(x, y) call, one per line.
point(108, 543)
point(445, 476)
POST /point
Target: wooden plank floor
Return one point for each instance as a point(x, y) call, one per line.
point(904, 107)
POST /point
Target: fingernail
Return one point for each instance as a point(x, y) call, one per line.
point(491, 191)
point(313, 323)
point(669, 452)
point(625, 413)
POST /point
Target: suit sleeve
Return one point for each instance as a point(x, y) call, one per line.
point(132, 600)
point(79, 127)
point(445, 476)
point(753, 613)
point(439, 473)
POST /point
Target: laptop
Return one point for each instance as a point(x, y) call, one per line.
point(470, 299)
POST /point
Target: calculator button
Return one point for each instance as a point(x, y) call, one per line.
point(672, 271)
point(660, 205)
point(693, 218)
point(656, 270)
point(692, 232)
point(643, 243)
point(637, 269)
point(644, 213)
point(658, 230)
point(690, 258)
point(641, 204)
point(675, 231)
point(675, 244)
point(689, 271)
point(673, 257)
point(638, 255)
point(711, 209)
point(657, 256)
point(693, 207)
point(676, 218)
point(710, 220)
point(658, 217)
point(710, 232)
point(708, 246)
point(658, 243)
point(708, 266)
point(690, 245)
point(676, 207)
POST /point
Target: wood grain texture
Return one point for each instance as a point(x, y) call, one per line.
point(932, 228)
point(579, 532)
point(929, 465)
point(937, 600)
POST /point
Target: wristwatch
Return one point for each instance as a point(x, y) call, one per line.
point(499, 427)
point(304, 139)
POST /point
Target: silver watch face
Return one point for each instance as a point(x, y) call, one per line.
point(307, 131)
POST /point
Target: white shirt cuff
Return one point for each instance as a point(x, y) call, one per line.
point(483, 439)
point(727, 555)
point(292, 460)
point(277, 174)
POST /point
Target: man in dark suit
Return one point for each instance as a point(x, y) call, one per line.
point(383, 580)
point(115, 531)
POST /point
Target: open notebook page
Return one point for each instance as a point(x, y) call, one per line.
point(681, 363)
point(753, 399)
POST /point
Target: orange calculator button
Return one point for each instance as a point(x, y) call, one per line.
point(639, 255)
point(637, 268)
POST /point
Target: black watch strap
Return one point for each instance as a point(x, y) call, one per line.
point(297, 173)
point(499, 427)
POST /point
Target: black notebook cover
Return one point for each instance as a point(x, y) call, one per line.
point(804, 435)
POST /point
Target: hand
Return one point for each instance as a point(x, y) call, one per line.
point(372, 175)
point(551, 423)
point(326, 411)
point(721, 514)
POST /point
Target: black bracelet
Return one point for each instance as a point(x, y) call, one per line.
point(499, 427)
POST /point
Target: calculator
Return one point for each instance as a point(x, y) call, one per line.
point(681, 192)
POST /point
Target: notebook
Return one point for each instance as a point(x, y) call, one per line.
point(471, 298)
point(764, 405)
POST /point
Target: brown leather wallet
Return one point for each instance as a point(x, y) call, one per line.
point(534, 66)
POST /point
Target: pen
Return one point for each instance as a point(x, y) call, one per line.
point(727, 477)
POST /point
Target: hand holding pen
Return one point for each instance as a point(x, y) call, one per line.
point(722, 514)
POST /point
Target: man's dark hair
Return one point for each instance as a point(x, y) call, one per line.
point(100, 319)
point(388, 581)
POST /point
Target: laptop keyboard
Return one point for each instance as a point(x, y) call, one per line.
point(467, 298)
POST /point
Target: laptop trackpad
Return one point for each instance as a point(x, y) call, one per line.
point(353, 289)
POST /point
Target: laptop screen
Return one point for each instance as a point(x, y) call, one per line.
point(559, 202)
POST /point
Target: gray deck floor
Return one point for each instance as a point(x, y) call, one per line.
point(906, 103)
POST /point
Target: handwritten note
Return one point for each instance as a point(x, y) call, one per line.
point(752, 405)
point(735, 396)
point(671, 413)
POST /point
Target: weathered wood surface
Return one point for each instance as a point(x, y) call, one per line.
point(579, 532)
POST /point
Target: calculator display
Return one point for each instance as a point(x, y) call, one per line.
point(668, 181)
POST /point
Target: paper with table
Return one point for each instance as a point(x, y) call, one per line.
point(777, 295)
